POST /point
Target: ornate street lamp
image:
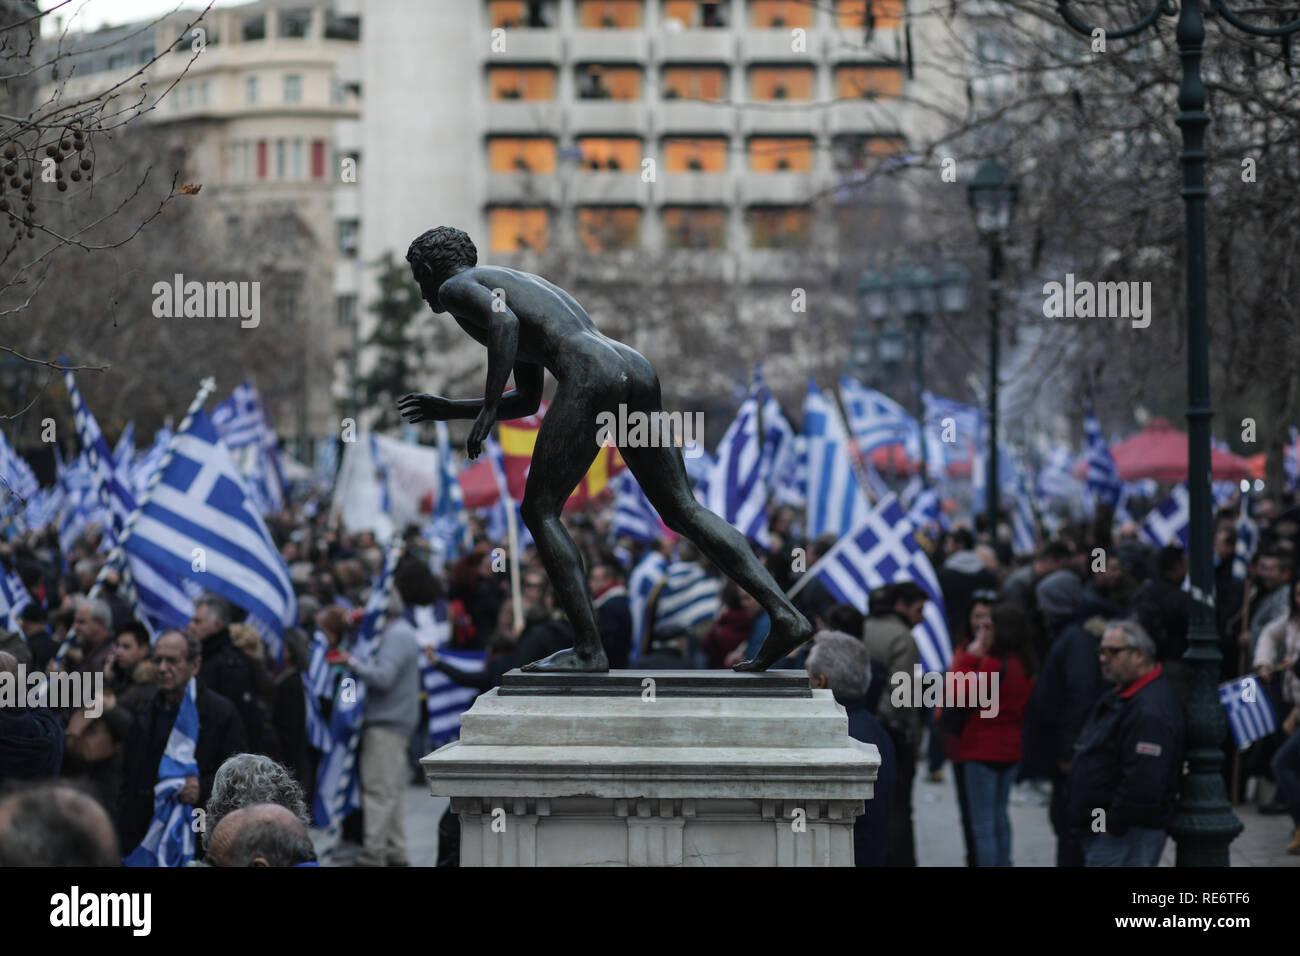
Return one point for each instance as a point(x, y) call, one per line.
point(1204, 823)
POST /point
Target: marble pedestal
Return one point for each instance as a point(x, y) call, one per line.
point(700, 768)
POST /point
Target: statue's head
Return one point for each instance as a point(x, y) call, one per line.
point(437, 255)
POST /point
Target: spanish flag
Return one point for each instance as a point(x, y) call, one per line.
point(519, 437)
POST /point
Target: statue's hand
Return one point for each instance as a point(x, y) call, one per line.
point(418, 407)
point(479, 432)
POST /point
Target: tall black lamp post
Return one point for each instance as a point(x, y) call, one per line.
point(993, 197)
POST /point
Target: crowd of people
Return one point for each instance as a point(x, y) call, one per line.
point(1083, 643)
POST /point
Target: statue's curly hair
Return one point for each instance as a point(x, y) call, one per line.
point(439, 251)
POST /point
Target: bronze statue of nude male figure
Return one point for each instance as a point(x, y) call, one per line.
point(528, 325)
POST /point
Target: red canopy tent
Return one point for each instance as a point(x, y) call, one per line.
point(1159, 451)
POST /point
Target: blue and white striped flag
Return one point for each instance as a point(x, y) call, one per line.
point(318, 683)
point(1024, 539)
point(338, 784)
point(149, 462)
point(875, 419)
point(13, 598)
point(737, 487)
point(115, 499)
point(449, 526)
point(1291, 460)
point(18, 484)
point(688, 598)
point(80, 506)
point(242, 423)
point(200, 523)
point(779, 452)
point(170, 838)
point(927, 511)
point(1250, 715)
point(1170, 521)
point(498, 528)
point(447, 700)
point(1247, 541)
point(1104, 482)
point(836, 502)
point(634, 516)
point(1056, 475)
point(649, 571)
point(698, 469)
point(883, 550)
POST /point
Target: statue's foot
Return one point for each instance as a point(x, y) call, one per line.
point(571, 659)
point(787, 634)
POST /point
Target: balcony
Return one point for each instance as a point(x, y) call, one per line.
point(864, 116)
point(715, 46)
point(609, 46)
point(846, 46)
point(691, 188)
point(609, 189)
point(529, 45)
point(522, 116)
point(792, 189)
point(774, 46)
point(608, 116)
point(521, 188)
point(693, 116)
point(781, 116)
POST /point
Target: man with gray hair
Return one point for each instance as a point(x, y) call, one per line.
point(246, 779)
point(93, 622)
point(839, 663)
point(226, 669)
point(1128, 761)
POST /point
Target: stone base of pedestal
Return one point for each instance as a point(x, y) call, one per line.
point(702, 768)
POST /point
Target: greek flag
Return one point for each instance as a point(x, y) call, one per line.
point(43, 507)
point(634, 516)
point(875, 419)
point(13, 598)
point(737, 486)
point(80, 503)
point(698, 470)
point(200, 523)
point(648, 572)
point(318, 683)
point(1104, 481)
point(116, 500)
point(927, 511)
point(836, 503)
point(447, 700)
point(498, 528)
point(149, 462)
point(1247, 541)
point(124, 456)
point(238, 419)
point(18, 479)
point(1170, 521)
point(1055, 477)
point(242, 423)
point(170, 838)
point(1291, 460)
point(779, 452)
point(338, 782)
point(883, 550)
point(688, 598)
point(1024, 540)
point(1249, 713)
point(449, 526)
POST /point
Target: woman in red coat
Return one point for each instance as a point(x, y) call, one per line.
point(1001, 656)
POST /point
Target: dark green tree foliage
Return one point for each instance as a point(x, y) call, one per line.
point(395, 342)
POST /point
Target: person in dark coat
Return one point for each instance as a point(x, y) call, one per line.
point(178, 658)
point(226, 669)
point(1162, 606)
point(839, 663)
point(34, 623)
point(613, 611)
point(31, 738)
point(667, 650)
point(1128, 761)
point(289, 714)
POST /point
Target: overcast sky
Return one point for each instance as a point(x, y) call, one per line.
point(93, 14)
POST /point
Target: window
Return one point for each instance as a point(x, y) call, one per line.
point(781, 83)
point(254, 28)
point(348, 230)
point(239, 162)
point(279, 159)
point(521, 83)
point(203, 93)
point(318, 159)
point(779, 227)
point(850, 153)
point(695, 227)
point(250, 90)
point(695, 155)
point(293, 88)
point(345, 310)
point(261, 159)
point(609, 228)
point(609, 14)
point(116, 61)
point(852, 14)
point(517, 228)
point(339, 27)
point(296, 24)
point(609, 83)
point(780, 14)
point(146, 54)
point(693, 14)
point(525, 14)
point(299, 172)
point(694, 82)
point(868, 82)
point(769, 154)
point(614, 153)
point(521, 154)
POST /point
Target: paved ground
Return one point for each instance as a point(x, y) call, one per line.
point(938, 831)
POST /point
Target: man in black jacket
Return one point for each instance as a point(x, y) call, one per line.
point(226, 669)
point(1128, 762)
point(613, 611)
point(178, 658)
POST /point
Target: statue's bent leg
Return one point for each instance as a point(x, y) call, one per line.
point(662, 475)
point(566, 447)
